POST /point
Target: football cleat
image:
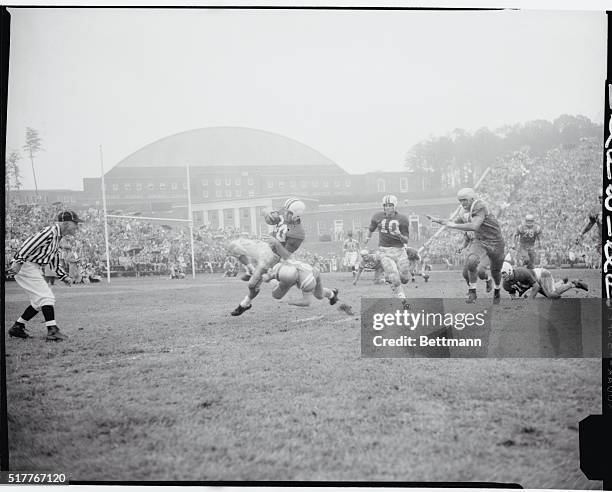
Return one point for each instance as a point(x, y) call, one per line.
point(18, 331)
point(496, 296)
point(55, 335)
point(471, 296)
point(579, 284)
point(489, 284)
point(333, 300)
point(240, 309)
point(245, 276)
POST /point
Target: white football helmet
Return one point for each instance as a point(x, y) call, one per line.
point(507, 269)
point(296, 207)
point(466, 194)
point(389, 200)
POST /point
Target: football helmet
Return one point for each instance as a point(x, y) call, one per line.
point(296, 207)
point(466, 194)
point(507, 269)
point(387, 202)
point(529, 219)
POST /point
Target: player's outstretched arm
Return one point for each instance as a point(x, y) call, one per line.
point(356, 279)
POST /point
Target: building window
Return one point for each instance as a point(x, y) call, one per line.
point(250, 181)
point(127, 187)
point(237, 193)
point(404, 185)
point(303, 184)
point(251, 193)
point(175, 186)
point(184, 186)
point(292, 184)
point(228, 193)
point(217, 182)
point(151, 186)
point(315, 184)
point(325, 184)
point(336, 183)
point(228, 181)
point(205, 193)
point(270, 184)
point(162, 186)
point(204, 182)
point(281, 184)
point(237, 181)
point(115, 187)
point(347, 183)
point(138, 187)
point(218, 193)
point(380, 185)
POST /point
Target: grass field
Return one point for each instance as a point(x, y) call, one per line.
point(158, 382)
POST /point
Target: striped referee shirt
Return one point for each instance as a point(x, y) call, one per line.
point(43, 248)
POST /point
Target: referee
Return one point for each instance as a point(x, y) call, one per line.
point(28, 265)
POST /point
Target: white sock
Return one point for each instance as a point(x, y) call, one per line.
point(471, 286)
point(48, 324)
point(21, 320)
point(246, 302)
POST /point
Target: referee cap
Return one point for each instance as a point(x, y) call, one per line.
point(68, 216)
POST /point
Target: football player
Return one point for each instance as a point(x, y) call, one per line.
point(517, 281)
point(486, 247)
point(525, 238)
point(417, 265)
point(369, 261)
point(351, 253)
point(287, 237)
point(392, 236)
point(595, 217)
point(289, 273)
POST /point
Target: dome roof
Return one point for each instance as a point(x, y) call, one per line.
point(226, 147)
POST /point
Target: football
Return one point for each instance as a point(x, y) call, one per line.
point(272, 217)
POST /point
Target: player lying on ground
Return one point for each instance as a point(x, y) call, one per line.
point(370, 262)
point(416, 265)
point(393, 234)
point(289, 273)
point(517, 281)
point(287, 237)
point(487, 244)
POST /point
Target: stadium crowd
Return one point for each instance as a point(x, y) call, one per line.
point(516, 186)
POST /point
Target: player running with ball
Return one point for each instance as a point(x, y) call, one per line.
point(392, 236)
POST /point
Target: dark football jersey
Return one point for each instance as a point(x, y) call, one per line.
point(522, 280)
point(528, 235)
point(291, 236)
point(386, 226)
point(489, 233)
point(595, 218)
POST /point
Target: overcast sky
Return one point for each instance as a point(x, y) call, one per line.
point(361, 87)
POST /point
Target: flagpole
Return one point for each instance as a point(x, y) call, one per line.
point(190, 217)
point(105, 219)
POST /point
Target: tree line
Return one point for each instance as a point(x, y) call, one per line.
point(464, 155)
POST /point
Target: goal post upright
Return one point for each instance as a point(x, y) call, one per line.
point(105, 217)
point(190, 218)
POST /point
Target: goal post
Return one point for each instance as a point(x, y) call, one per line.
point(188, 221)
